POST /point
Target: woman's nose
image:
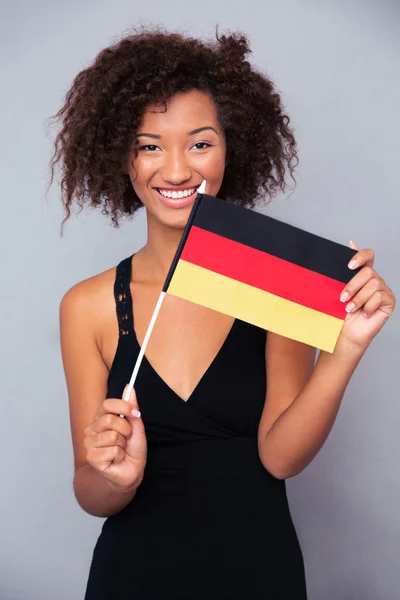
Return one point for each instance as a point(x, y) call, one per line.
point(176, 168)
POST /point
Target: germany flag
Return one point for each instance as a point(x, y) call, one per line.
point(262, 271)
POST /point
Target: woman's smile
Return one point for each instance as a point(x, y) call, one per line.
point(177, 197)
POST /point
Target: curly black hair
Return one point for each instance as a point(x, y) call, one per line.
point(104, 106)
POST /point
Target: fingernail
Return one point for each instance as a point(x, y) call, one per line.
point(345, 296)
point(352, 264)
point(365, 315)
point(350, 307)
point(135, 413)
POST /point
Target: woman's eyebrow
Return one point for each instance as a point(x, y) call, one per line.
point(158, 137)
point(200, 129)
point(150, 135)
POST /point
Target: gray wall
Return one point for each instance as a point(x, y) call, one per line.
point(335, 63)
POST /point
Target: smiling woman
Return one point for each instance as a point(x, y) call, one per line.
point(167, 175)
point(107, 103)
point(195, 506)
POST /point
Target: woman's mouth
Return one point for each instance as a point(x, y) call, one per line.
point(177, 199)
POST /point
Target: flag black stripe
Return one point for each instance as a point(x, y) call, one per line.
point(280, 239)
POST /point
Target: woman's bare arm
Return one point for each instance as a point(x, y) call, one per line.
point(301, 404)
point(86, 375)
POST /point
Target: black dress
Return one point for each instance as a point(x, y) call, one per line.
point(208, 520)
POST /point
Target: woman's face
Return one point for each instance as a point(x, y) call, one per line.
point(177, 150)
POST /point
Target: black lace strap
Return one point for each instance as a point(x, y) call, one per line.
point(123, 297)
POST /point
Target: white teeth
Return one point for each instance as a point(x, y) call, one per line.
point(176, 195)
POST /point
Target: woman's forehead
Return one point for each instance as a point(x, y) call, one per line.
point(186, 109)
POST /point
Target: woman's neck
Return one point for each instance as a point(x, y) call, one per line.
point(157, 254)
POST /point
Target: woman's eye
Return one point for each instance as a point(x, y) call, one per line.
point(148, 147)
point(203, 144)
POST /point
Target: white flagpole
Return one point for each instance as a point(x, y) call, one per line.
point(139, 359)
point(144, 345)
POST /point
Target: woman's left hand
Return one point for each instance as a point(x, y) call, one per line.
point(370, 302)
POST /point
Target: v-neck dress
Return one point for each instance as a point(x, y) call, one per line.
point(208, 520)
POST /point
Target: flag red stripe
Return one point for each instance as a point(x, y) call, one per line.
point(264, 271)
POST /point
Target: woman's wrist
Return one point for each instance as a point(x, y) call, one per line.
point(125, 490)
point(98, 496)
point(347, 350)
point(340, 365)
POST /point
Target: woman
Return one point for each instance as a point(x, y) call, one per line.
point(192, 480)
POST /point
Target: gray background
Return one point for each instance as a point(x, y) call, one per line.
point(335, 63)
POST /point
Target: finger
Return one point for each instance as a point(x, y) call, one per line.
point(111, 421)
point(357, 282)
point(382, 300)
point(372, 305)
point(106, 438)
point(132, 402)
point(353, 245)
point(362, 258)
point(372, 287)
point(132, 399)
point(101, 458)
point(114, 406)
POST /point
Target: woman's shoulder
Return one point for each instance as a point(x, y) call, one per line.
point(92, 296)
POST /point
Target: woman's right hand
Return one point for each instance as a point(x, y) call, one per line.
point(116, 447)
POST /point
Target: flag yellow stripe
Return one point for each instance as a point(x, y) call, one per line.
point(255, 306)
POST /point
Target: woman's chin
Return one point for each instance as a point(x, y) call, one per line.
point(171, 218)
point(177, 221)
